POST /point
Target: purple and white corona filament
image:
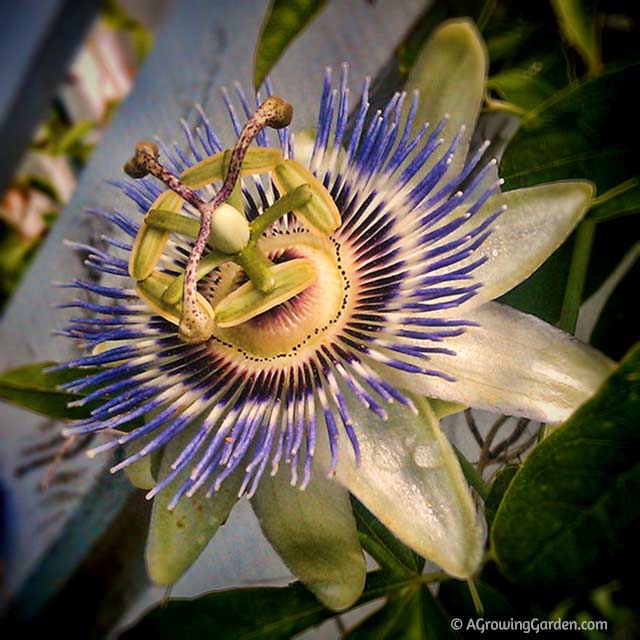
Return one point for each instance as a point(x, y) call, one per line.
point(255, 395)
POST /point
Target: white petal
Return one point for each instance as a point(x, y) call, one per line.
point(410, 479)
point(515, 364)
point(536, 222)
point(314, 532)
point(450, 72)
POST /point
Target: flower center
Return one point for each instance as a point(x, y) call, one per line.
point(297, 325)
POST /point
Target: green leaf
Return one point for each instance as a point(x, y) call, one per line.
point(412, 614)
point(617, 328)
point(314, 532)
point(393, 556)
point(500, 484)
point(284, 20)
point(626, 201)
point(569, 518)
point(30, 387)
point(573, 134)
point(577, 19)
point(178, 537)
point(520, 87)
point(243, 614)
point(269, 613)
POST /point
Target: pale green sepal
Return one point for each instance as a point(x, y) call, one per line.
point(443, 408)
point(450, 73)
point(178, 537)
point(314, 532)
point(536, 221)
point(410, 479)
point(512, 363)
point(143, 473)
point(246, 302)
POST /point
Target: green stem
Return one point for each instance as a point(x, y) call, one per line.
point(504, 106)
point(292, 200)
point(473, 477)
point(475, 597)
point(434, 576)
point(257, 267)
point(577, 276)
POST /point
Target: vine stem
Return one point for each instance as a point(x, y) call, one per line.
point(473, 477)
point(577, 276)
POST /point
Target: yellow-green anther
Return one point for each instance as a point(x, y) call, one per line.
point(246, 302)
point(297, 198)
point(207, 264)
point(320, 214)
point(150, 241)
point(230, 230)
point(175, 222)
point(212, 169)
point(147, 249)
point(151, 291)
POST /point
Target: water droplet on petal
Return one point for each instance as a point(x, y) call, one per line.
point(426, 456)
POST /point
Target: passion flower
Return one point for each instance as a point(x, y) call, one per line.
point(367, 280)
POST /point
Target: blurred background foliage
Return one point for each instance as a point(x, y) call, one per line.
point(99, 78)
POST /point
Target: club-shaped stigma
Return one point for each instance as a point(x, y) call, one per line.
point(196, 326)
